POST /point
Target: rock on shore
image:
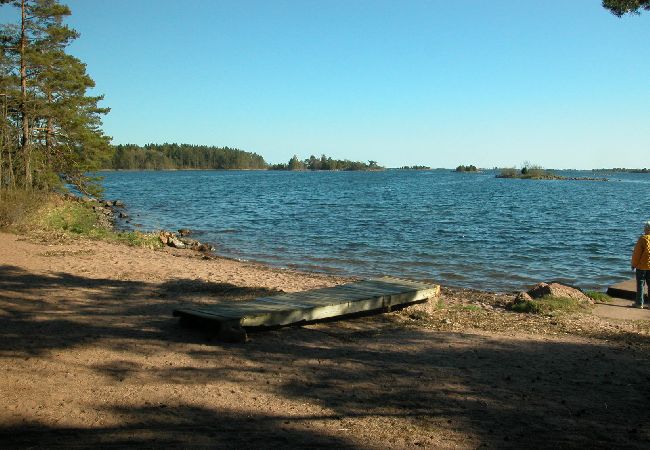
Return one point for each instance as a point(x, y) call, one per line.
point(558, 290)
point(172, 240)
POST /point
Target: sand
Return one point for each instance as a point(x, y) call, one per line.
point(91, 356)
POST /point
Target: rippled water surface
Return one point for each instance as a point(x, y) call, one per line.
point(471, 230)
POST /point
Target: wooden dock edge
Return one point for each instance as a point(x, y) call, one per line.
point(341, 310)
point(295, 316)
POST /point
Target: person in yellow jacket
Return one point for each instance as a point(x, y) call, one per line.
point(641, 262)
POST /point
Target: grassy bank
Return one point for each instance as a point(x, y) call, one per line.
point(48, 214)
point(550, 305)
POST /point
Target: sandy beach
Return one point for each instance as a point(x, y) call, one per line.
point(91, 356)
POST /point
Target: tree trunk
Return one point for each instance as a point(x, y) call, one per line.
point(3, 140)
point(49, 140)
point(24, 144)
point(7, 177)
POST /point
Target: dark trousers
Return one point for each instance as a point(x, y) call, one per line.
point(642, 278)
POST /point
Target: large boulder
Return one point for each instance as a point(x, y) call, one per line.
point(560, 291)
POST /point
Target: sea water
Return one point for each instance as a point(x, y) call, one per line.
point(461, 229)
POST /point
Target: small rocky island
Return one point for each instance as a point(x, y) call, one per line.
point(538, 173)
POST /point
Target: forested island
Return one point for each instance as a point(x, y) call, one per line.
point(470, 168)
point(182, 156)
point(325, 163)
point(416, 167)
point(188, 157)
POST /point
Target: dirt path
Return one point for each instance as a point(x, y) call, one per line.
point(90, 356)
point(621, 309)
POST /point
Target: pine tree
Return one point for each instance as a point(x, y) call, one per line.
point(295, 164)
point(622, 7)
point(60, 136)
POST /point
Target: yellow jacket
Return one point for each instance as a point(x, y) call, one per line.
point(641, 255)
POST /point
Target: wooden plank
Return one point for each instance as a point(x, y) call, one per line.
point(356, 292)
point(285, 309)
point(237, 309)
point(404, 282)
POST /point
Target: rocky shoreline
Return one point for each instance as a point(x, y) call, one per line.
point(110, 211)
point(181, 241)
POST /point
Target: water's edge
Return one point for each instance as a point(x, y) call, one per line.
point(470, 231)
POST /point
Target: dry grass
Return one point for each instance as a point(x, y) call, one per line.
point(49, 217)
point(17, 207)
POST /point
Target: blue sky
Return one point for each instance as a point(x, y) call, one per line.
point(560, 83)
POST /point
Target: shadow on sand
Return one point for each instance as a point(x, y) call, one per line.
point(370, 377)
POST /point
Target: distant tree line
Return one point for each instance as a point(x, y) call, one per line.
point(181, 156)
point(325, 163)
point(415, 168)
point(470, 168)
point(622, 169)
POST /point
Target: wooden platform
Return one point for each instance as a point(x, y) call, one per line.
point(624, 289)
point(380, 294)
